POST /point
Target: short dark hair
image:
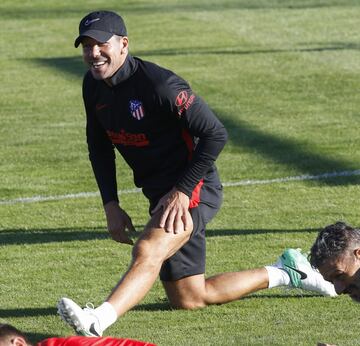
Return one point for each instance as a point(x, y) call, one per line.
point(7, 330)
point(332, 241)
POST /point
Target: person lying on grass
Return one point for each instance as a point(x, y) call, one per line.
point(11, 336)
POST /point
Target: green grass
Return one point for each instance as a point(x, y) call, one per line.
point(282, 75)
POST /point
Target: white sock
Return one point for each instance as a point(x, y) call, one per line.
point(106, 315)
point(277, 276)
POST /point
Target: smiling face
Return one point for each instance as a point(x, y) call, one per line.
point(344, 272)
point(104, 59)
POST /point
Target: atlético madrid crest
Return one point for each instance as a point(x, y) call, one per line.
point(136, 109)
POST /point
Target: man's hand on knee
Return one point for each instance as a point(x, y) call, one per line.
point(175, 217)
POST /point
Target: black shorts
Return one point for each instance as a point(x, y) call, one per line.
point(190, 259)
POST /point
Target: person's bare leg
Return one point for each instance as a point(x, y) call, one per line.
point(152, 248)
point(150, 251)
point(227, 287)
point(196, 291)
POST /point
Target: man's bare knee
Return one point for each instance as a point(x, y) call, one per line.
point(187, 293)
point(144, 252)
point(188, 305)
point(158, 244)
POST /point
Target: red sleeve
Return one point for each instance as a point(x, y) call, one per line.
point(86, 341)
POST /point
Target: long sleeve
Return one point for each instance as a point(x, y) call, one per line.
point(205, 134)
point(212, 136)
point(101, 150)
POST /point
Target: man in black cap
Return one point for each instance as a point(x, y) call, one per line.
point(170, 139)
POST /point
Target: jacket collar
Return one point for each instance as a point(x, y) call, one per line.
point(125, 71)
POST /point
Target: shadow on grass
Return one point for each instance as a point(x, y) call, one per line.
point(304, 295)
point(290, 153)
point(153, 307)
point(28, 312)
point(165, 306)
point(240, 232)
point(34, 338)
point(56, 235)
point(235, 50)
point(65, 11)
point(36, 312)
point(75, 66)
point(40, 236)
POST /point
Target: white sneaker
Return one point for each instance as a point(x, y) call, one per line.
point(83, 321)
point(303, 275)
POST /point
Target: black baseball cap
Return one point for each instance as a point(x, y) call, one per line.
point(101, 26)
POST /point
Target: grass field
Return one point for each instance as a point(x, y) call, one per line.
point(282, 75)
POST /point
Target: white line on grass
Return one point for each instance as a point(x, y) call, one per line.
point(295, 178)
point(35, 199)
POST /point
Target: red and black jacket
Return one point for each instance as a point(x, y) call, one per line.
point(167, 134)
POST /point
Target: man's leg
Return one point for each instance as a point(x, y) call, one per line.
point(292, 269)
point(195, 291)
point(183, 274)
point(187, 291)
point(150, 251)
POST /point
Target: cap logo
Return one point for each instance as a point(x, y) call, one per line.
point(88, 22)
